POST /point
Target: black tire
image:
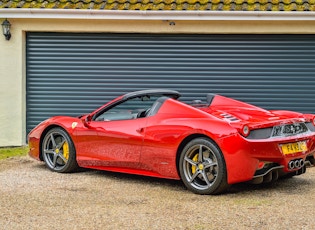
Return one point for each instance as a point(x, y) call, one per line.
point(202, 167)
point(58, 151)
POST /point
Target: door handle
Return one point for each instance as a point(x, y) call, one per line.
point(140, 130)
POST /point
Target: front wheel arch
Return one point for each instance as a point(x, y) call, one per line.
point(42, 137)
point(72, 165)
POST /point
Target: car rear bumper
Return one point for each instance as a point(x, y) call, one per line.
point(248, 159)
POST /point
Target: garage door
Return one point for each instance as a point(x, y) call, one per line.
point(72, 74)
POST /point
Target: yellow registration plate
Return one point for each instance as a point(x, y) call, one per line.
point(294, 147)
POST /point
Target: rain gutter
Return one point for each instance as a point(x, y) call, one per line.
point(155, 15)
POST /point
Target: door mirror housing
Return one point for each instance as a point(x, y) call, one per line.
point(86, 120)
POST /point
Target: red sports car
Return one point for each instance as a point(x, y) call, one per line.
point(208, 145)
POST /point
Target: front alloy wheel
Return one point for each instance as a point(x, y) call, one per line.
point(58, 151)
point(202, 167)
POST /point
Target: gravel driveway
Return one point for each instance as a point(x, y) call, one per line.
point(32, 197)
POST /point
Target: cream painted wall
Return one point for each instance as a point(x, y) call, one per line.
point(12, 53)
point(12, 89)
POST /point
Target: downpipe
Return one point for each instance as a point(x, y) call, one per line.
point(301, 170)
point(310, 161)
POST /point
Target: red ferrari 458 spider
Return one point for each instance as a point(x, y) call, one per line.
point(208, 145)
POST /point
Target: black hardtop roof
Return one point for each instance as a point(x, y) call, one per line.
point(163, 92)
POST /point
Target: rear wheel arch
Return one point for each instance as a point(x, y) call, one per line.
point(213, 165)
point(186, 141)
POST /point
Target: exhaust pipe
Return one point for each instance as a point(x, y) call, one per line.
point(291, 165)
point(296, 164)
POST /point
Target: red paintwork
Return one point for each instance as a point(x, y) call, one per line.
point(150, 146)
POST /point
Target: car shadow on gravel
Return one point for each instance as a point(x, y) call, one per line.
point(283, 185)
point(290, 186)
point(123, 177)
point(294, 185)
point(138, 179)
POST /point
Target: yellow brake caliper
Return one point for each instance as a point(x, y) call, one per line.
point(193, 167)
point(65, 148)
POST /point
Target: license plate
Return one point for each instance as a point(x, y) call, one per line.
point(294, 147)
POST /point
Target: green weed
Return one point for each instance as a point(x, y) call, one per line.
point(12, 152)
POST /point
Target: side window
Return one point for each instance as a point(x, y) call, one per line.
point(130, 109)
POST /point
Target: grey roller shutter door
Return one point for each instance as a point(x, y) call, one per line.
point(72, 74)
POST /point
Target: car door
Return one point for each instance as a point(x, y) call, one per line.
point(120, 132)
point(118, 143)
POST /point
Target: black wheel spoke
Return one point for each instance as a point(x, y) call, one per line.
point(210, 164)
point(54, 161)
point(49, 151)
point(62, 158)
point(53, 140)
point(61, 144)
point(206, 179)
point(190, 161)
point(194, 176)
point(200, 156)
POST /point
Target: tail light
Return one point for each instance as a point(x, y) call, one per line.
point(245, 130)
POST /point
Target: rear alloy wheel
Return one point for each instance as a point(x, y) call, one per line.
point(58, 151)
point(202, 167)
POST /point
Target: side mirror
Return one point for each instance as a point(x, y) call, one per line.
point(86, 120)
